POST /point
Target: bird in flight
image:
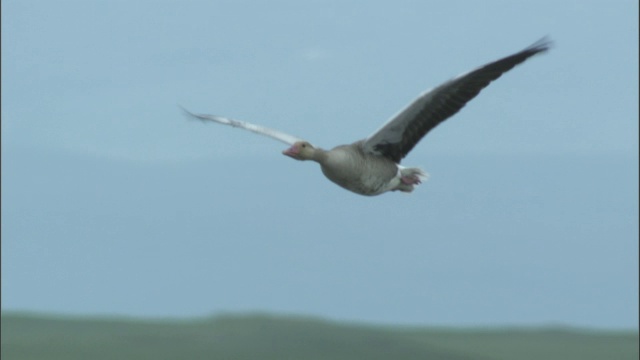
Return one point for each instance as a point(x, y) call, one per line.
point(371, 166)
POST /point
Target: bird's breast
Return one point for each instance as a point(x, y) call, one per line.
point(365, 175)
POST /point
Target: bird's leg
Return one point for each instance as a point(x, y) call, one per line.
point(410, 179)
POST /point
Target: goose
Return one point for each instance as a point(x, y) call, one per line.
point(371, 166)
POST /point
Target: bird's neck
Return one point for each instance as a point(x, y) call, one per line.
point(319, 155)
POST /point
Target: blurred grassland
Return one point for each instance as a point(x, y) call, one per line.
point(261, 336)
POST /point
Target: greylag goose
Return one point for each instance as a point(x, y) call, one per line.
point(372, 166)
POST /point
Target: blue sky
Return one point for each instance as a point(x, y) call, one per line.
point(114, 203)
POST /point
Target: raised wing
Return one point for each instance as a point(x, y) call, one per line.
point(400, 134)
point(274, 134)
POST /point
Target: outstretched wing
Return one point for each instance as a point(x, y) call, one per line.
point(400, 134)
point(274, 134)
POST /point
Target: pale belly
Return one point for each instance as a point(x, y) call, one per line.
point(365, 178)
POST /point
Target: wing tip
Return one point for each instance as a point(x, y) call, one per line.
point(188, 114)
point(544, 44)
point(193, 116)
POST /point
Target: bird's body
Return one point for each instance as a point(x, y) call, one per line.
point(352, 168)
point(372, 166)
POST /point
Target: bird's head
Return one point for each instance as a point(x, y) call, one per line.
point(300, 150)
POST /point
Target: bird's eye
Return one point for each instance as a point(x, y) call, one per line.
point(304, 145)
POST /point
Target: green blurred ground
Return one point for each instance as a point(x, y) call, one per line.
point(267, 337)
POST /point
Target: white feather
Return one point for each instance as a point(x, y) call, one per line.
point(274, 134)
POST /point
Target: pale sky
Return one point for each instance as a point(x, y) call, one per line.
point(114, 203)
